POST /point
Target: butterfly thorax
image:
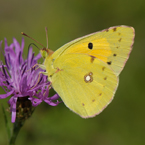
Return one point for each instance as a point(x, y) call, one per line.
point(48, 63)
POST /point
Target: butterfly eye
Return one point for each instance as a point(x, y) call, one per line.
point(90, 45)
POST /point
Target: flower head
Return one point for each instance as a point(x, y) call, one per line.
point(22, 80)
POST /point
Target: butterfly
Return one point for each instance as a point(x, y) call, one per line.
point(84, 72)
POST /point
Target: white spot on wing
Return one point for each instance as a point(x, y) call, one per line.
point(88, 78)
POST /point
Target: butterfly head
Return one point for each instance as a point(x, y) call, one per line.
point(45, 52)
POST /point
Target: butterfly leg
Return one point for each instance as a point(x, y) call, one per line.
point(42, 66)
point(33, 67)
point(44, 73)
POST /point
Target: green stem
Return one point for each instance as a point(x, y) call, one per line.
point(16, 128)
point(6, 122)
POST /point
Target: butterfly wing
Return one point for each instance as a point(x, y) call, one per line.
point(85, 83)
point(112, 46)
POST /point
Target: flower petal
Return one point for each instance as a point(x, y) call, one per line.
point(2, 96)
point(51, 103)
point(16, 46)
point(54, 97)
point(36, 102)
point(13, 109)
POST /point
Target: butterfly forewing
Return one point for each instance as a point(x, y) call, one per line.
point(112, 46)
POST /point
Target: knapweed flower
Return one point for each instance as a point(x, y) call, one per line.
point(22, 81)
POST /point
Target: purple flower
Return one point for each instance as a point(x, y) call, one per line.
point(22, 80)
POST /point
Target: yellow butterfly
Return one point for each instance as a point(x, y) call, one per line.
point(84, 72)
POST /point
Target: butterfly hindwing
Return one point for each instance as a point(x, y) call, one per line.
point(85, 84)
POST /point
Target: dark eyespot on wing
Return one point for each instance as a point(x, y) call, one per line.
point(120, 39)
point(83, 104)
point(114, 29)
point(109, 62)
point(90, 45)
point(100, 94)
point(93, 100)
point(92, 58)
point(105, 78)
point(103, 68)
point(114, 54)
point(88, 78)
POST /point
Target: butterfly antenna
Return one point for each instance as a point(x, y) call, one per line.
point(32, 39)
point(34, 45)
point(46, 36)
point(37, 80)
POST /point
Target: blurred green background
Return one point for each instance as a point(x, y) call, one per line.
point(123, 121)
